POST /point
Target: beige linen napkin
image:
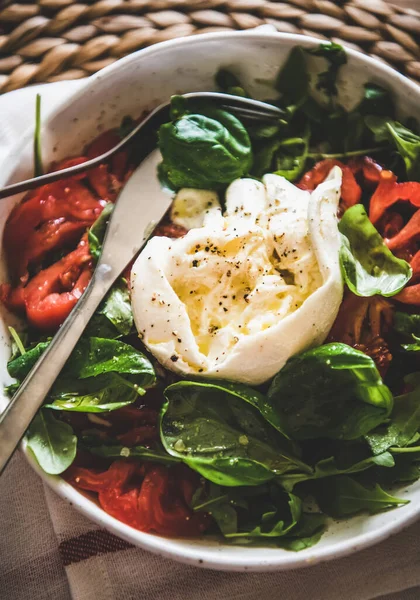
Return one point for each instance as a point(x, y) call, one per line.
point(48, 551)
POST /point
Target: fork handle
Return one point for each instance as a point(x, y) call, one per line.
point(24, 405)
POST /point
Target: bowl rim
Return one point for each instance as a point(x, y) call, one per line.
point(167, 547)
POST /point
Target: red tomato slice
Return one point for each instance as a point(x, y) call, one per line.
point(52, 293)
point(389, 192)
point(409, 295)
point(350, 189)
point(409, 233)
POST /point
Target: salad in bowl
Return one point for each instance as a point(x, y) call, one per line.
point(255, 372)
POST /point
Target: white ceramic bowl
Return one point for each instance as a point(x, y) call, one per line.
point(141, 81)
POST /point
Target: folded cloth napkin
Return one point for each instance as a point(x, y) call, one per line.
point(48, 551)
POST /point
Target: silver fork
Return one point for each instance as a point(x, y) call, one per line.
point(129, 228)
point(245, 108)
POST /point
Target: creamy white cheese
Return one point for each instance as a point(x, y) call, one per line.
point(237, 297)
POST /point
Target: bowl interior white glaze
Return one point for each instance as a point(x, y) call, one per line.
point(137, 83)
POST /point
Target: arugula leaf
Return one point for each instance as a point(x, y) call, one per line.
point(96, 233)
point(220, 506)
point(343, 496)
point(52, 442)
point(290, 158)
point(207, 149)
point(307, 533)
point(38, 168)
point(367, 265)
point(293, 80)
point(336, 58)
point(332, 391)
point(404, 422)
point(328, 467)
point(217, 431)
point(405, 141)
point(157, 455)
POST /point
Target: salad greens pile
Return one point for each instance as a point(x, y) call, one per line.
point(327, 427)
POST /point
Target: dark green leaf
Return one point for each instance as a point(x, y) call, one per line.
point(215, 429)
point(52, 442)
point(406, 142)
point(229, 83)
point(404, 422)
point(95, 356)
point(96, 233)
point(307, 533)
point(332, 391)
point(376, 101)
point(328, 467)
point(406, 324)
point(206, 150)
point(291, 155)
point(94, 395)
point(293, 80)
point(38, 168)
point(116, 309)
point(367, 265)
point(20, 366)
point(343, 496)
point(274, 525)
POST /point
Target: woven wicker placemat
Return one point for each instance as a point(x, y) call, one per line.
point(52, 40)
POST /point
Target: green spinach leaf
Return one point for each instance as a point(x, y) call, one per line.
point(114, 316)
point(404, 420)
point(307, 533)
point(207, 149)
point(52, 442)
point(328, 467)
point(406, 324)
point(367, 265)
point(332, 391)
point(229, 83)
point(19, 367)
point(343, 496)
point(217, 431)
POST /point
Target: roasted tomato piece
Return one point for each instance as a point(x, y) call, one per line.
point(389, 191)
point(350, 189)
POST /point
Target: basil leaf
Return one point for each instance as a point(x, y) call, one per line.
point(38, 168)
point(293, 80)
point(96, 233)
point(404, 421)
point(52, 442)
point(216, 431)
point(207, 149)
point(367, 265)
point(343, 496)
point(328, 467)
point(156, 455)
point(332, 391)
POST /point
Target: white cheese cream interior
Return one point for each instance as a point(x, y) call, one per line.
point(245, 290)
